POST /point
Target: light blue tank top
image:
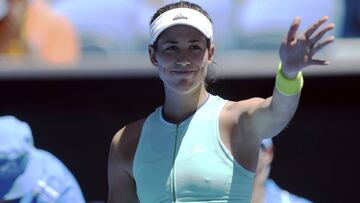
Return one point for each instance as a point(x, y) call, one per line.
point(187, 162)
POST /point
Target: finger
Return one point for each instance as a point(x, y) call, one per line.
point(321, 45)
point(319, 35)
point(318, 62)
point(293, 28)
point(315, 26)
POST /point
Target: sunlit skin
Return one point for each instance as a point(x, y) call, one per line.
point(297, 52)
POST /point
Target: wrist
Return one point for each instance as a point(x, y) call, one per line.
point(288, 74)
point(288, 83)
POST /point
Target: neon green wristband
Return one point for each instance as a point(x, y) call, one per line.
point(288, 86)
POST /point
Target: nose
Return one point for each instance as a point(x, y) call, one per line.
point(183, 60)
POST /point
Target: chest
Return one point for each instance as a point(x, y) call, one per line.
point(185, 163)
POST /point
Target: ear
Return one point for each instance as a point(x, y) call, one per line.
point(211, 52)
point(152, 55)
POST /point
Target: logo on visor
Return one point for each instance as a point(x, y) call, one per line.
point(179, 16)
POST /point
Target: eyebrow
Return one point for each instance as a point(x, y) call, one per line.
point(171, 42)
point(175, 42)
point(194, 41)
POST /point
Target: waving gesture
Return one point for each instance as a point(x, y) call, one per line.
point(296, 52)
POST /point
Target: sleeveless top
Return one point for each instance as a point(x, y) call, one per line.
point(187, 162)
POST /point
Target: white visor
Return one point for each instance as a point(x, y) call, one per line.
point(181, 16)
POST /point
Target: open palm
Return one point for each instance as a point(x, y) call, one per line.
point(296, 52)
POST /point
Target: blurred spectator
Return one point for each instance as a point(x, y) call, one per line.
point(265, 189)
point(117, 26)
point(261, 24)
point(31, 175)
point(103, 26)
point(142, 15)
point(111, 26)
point(352, 19)
point(220, 14)
point(32, 28)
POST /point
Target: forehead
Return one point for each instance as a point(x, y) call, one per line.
point(181, 32)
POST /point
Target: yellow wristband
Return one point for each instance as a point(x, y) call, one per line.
point(288, 86)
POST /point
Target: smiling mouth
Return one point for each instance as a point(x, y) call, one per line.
point(183, 71)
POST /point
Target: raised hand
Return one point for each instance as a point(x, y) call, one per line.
point(296, 52)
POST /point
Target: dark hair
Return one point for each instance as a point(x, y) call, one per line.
point(180, 4)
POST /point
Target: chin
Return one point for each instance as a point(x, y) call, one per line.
point(186, 88)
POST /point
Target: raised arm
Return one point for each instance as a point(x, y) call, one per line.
point(266, 118)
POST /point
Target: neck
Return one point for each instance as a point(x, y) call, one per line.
point(178, 107)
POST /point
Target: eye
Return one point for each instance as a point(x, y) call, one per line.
point(171, 48)
point(195, 47)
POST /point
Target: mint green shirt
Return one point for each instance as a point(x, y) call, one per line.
point(187, 162)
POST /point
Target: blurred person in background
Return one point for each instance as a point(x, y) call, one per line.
point(352, 19)
point(222, 21)
point(104, 27)
point(261, 24)
point(29, 174)
point(142, 11)
point(30, 28)
point(109, 27)
point(265, 189)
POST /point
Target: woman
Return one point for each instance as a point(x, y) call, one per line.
point(198, 147)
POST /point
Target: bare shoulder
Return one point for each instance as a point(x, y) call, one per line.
point(235, 114)
point(124, 144)
point(233, 110)
point(122, 187)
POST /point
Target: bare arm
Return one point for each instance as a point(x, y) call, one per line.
point(122, 187)
point(265, 118)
